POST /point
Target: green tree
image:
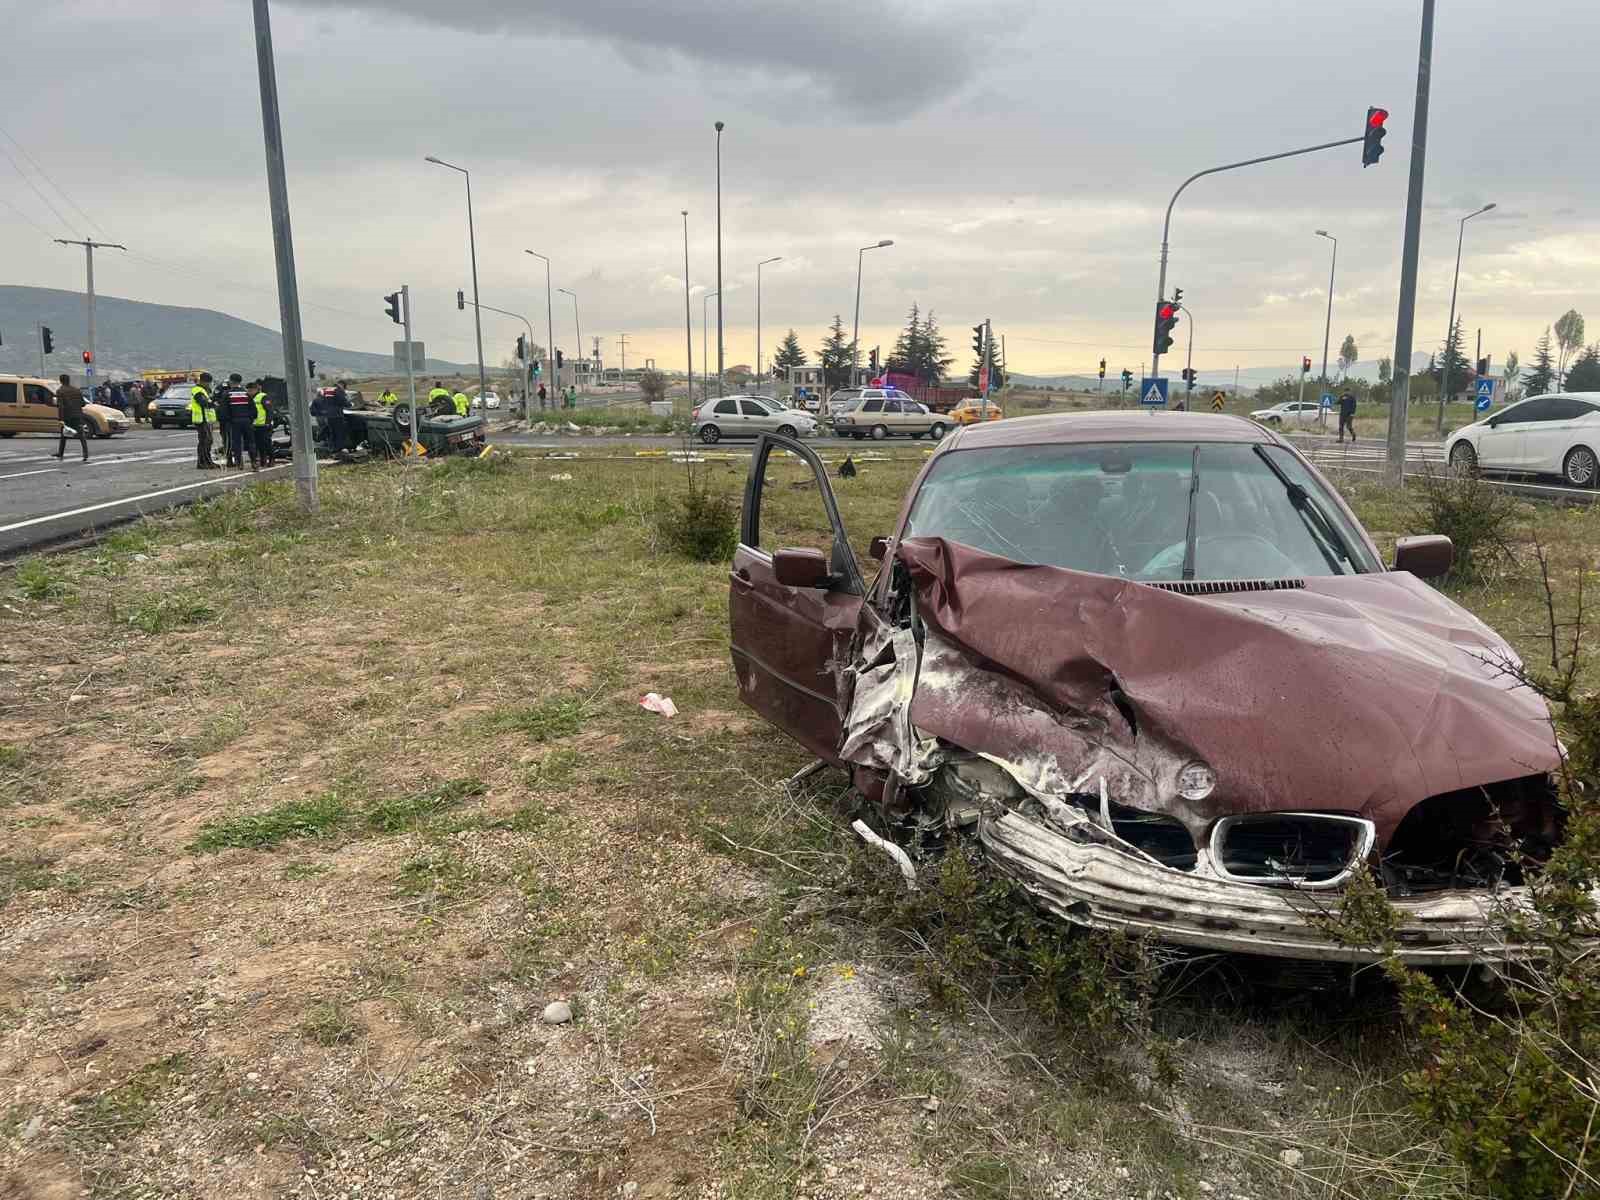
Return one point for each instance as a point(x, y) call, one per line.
point(1510, 374)
point(1347, 354)
point(1584, 373)
point(1460, 369)
point(1385, 371)
point(653, 386)
point(1538, 380)
point(835, 355)
point(790, 354)
point(1569, 336)
point(920, 350)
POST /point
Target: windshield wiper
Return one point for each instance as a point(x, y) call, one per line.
point(1323, 531)
point(1194, 495)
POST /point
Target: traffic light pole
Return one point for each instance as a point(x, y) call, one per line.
point(1405, 321)
point(503, 313)
point(1188, 366)
point(1166, 227)
point(411, 372)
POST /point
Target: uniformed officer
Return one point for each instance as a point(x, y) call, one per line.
point(463, 405)
point(388, 399)
point(261, 425)
point(202, 412)
point(240, 415)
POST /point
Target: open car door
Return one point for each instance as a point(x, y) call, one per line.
point(793, 596)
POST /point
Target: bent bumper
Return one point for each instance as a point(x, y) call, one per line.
point(1097, 885)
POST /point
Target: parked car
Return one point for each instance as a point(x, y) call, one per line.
point(885, 412)
point(973, 410)
point(489, 399)
point(171, 407)
point(1545, 435)
point(1298, 411)
point(1152, 667)
point(748, 416)
point(844, 398)
point(28, 405)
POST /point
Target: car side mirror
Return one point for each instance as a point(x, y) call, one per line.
point(1427, 556)
point(878, 548)
point(801, 568)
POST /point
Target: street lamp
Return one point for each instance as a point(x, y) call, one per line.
point(549, 330)
point(759, 265)
point(1327, 328)
point(577, 325)
point(855, 333)
point(1444, 379)
point(688, 323)
point(705, 358)
point(472, 245)
point(718, 292)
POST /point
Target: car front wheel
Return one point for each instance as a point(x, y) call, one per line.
point(1580, 467)
point(879, 432)
point(1463, 458)
point(709, 434)
point(786, 431)
point(937, 431)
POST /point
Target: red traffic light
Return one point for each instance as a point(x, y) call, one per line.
point(1373, 135)
point(1377, 116)
point(88, 357)
point(1167, 312)
point(1305, 364)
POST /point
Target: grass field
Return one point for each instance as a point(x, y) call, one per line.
point(304, 822)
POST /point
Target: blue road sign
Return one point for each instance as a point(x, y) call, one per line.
point(1483, 395)
point(1327, 401)
point(1154, 394)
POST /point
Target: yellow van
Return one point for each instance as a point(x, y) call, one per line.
point(28, 405)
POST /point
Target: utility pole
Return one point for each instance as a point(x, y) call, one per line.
point(411, 373)
point(622, 344)
point(1400, 394)
point(988, 364)
point(89, 246)
point(719, 258)
point(688, 329)
point(294, 349)
point(1327, 326)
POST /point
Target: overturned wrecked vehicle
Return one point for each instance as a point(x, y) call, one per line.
point(1156, 667)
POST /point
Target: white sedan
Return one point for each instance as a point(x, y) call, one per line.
point(487, 400)
point(1290, 410)
point(1546, 435)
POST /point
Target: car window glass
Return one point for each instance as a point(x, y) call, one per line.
point(792, 515)
point(872, 406)
point(1123, 510)
point(8, 392)
point(37, 393)
point(1566, 409)
point(1528, 410)
point(752, 409)
point(891, 406)
point(727, 408)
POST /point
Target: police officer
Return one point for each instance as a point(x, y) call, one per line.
point(240, 415)
point(201, 414)
point(261, 424)
point(463, 405)
point(388, 399)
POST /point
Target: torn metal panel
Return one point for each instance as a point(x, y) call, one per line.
point(878, 733)
point(1089, 883)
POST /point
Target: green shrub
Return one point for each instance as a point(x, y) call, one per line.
point(399, 813)
point(1474, 514)
point(37, 581)
point(157, 614)
point(315, 817)
point(700, 524)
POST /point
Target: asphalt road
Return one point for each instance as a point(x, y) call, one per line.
point(43, 500)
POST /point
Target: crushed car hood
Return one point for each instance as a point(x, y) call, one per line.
point(1362, 694)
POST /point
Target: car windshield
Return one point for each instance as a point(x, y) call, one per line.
point(1153, 511)
point(178, 392)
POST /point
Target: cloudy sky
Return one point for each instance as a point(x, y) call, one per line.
point(1019, 153)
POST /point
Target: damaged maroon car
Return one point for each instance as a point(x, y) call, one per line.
point(1156, 667)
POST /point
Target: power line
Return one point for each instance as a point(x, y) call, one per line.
point(26, 217)
point(47, 202)
point(46, 176)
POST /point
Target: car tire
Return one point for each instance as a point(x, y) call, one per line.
point(1463, 458)
point(1580, 468)
point(786, 431)
point(937, 432)
point(880, 432)
point(12, 434)
point(710, 434)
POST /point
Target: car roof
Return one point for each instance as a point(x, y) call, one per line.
point(29, 379)
point(1111, 426)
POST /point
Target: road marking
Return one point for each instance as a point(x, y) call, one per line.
point(172, 491)
point(41, 471)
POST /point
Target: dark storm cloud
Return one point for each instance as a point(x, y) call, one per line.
point(883, 57)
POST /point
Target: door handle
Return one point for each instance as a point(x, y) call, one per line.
point(742, 578)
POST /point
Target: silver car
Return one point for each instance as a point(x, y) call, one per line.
point(747, 416)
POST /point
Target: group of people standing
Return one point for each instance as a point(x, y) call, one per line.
point(242, 414)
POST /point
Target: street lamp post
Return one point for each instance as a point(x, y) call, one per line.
point(688, 326)
point(472, 245)
point(549, 332)
point(718, 292)
point(705, 358)
point(855, 332)
point(576, 325)
point(1327, 328)
point(759, 265)
point(1444, 379)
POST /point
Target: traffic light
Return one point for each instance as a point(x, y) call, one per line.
point(1188, 377)
point(48, 337)
point(1483, 366)
point(1102, 368)
point(1177, 295)
point(392, 307)
point(1127, 377)
point(1372, 141)
point(1305, 366)
point(1166, 322)
point(522, 347)
point(311, 367)
point(561, 360)
point(461, 300)
point(88, 357)
point(872, 359)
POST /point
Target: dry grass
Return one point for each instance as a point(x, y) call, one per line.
point(288, 872)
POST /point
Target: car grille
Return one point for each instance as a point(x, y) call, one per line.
point(1308, 850)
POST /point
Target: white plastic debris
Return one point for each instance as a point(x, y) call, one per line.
point(901, 858)
point(562, 478)
point(659, 704)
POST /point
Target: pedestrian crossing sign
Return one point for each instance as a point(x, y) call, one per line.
point(1155, 393)
point(1483, 394)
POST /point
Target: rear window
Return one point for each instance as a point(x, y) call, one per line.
point(1124, 510)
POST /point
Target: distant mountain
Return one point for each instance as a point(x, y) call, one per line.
point(132, 336)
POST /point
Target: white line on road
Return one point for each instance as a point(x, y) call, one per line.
point(42, 471)
point(172, 491)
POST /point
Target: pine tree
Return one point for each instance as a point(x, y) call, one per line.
point(1460, 368)
point(790, 354)
point(835, 355)
point(1583, 373)
point(1543, 373)
point(920, 350)
point(936, 357)
point(903, 358)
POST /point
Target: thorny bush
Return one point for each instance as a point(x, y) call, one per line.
point(1473, 513)
point(700, 523)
